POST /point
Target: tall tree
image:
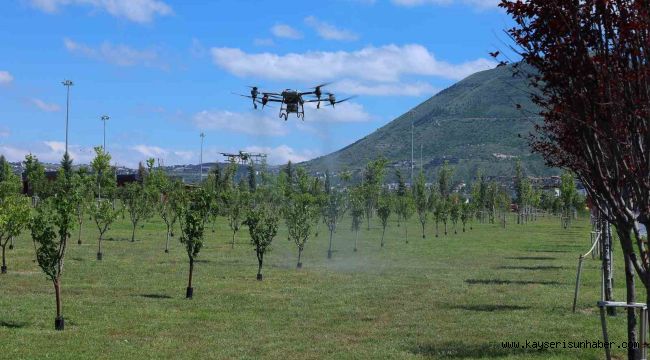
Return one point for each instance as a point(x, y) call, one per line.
point(590, 69)
point(35, 175)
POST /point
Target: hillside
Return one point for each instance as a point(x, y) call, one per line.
point(473, 124)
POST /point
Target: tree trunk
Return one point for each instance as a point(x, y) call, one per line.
point(11, 243)
point(232, 244)
point(632, 352)
point(299, 265)
point(167, 241)
point(99, 248)
point(329, 250)
point(436, 229)
point(4, 260)
point(79, 239)
point(423, 236)
point(382, 236)
point(190, 291)
point(133, 232)
point(445, 228)
point(356, 238)
point(58, 322)
point(406, 233)
point(260, 259)
point(606, 241)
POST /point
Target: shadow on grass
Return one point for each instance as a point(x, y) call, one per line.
point(531, 258)
point(459, 350)
point(12, 324)
point(156, 296)
point(509, 282)
point(490, 307)
point(202, 261)
point(549, 251)
point(538, 267)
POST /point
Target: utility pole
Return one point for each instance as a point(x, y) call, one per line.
point(67, 84)
point(412, 165)
point(105, 118)
point(201, 159)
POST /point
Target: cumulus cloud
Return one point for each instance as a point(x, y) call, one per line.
point(283, 154)
point(285, 31)
point(251, 123)
point(5, 77)
point(385, 89)
point(479, 4)
point(379, 64)
point(120, 55)
point(328, 31)
point(150, 151)
point(140, 11)
point(344, 112)
point(47, 107)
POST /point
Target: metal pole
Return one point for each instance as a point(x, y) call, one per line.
point(603, 322)
point(575, 293)
point(201, 159)
point(67, 84)
point(104, 118)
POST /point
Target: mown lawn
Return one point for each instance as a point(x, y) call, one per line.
point(455, 297)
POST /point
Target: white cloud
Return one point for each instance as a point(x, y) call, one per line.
point(344, 112)
point(385, 89)
point(283, 153)
point(479, 4)
point(150, 151)
point(285, 31)
point(328, 31)
point(47, 107)
point(263, 42)
point(5, 77)
point(140, 11)
point(120, 55)
point(380, 64)
point(251, 123)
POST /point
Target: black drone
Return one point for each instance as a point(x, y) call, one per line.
point(293, 101)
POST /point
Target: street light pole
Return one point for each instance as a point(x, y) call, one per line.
point(67, 84)
point(105, 118)
point(201, 159)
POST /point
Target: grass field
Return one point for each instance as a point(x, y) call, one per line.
point(455, 297)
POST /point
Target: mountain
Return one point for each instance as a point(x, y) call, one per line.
point(474, 124)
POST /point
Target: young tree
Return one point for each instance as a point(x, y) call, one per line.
point(262, 224)
point(421, 196)
point(139, 202)
point(454, 210)
point(57, 214)
point(357, 210)
point(373, 178)
point(445, 175)
point(442, 210)
point(333, 209)
point(300, 212)
point(568, 195)
point(235, 202)
point(104, 179)
point(102, 212)
point(384, 208)
point(14, 217)
point(83, 192)
point(35, 176)
point(192, 225)
point(169, 206)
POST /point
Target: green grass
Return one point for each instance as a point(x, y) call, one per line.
point(454, 297)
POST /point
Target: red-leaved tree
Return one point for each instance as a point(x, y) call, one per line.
point(589, 63)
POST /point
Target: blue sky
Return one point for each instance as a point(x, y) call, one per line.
point(165, 70)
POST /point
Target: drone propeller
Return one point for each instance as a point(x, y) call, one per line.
point(332, 100)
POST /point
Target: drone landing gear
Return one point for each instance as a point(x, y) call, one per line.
point(284, 116)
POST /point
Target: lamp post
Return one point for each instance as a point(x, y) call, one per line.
point(105, 118)
point(67, 84)
point(201, 159)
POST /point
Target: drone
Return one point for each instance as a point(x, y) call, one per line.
point(242, 157)
point(293, 101)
